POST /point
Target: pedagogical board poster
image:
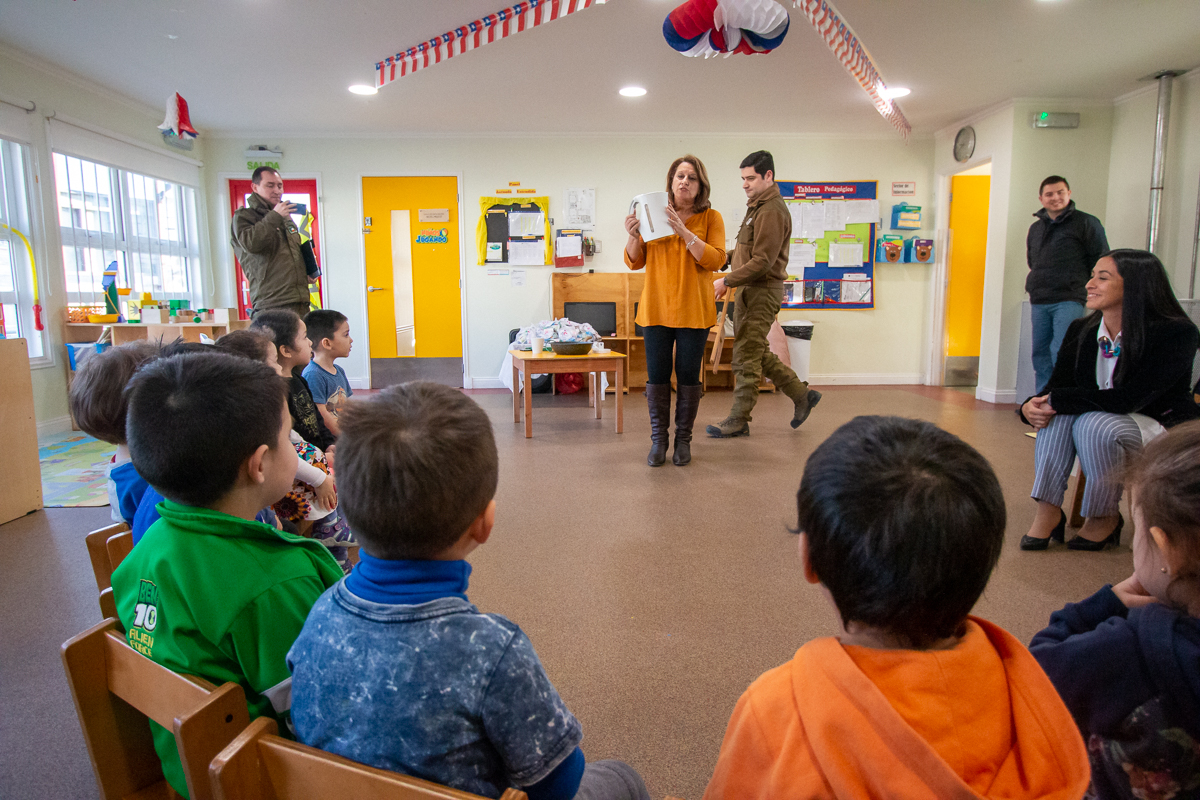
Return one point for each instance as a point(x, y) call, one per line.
point(514, 231)
point(831, 263)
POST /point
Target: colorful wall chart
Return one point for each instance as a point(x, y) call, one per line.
point(831, 260)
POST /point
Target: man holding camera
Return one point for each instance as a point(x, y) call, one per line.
point(268, 246)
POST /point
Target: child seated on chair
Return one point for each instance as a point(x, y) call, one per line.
point(901, 525)
point(294, 351)
point(329, 332)
point(97, 402)
point(395, 668)
point(210, 591)
point(1127, 659)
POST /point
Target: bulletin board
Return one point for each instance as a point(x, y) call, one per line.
point(853, 220)
point(494, 228)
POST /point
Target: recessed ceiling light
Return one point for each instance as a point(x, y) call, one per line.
point(632, 91)
point(898, 91)
point(362, 88)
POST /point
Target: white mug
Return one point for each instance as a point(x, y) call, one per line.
point(651, 211)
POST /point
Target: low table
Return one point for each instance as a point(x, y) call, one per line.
point(527, 363)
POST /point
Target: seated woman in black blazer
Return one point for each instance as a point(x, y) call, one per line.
point(1123, 374)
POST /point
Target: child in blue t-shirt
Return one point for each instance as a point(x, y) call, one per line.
point(97, 402)
point(329, 331)
point(395, 668)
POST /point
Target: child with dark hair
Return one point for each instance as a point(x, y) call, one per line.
point(293, 353)
point(210, 592)
point(431, 687)
point(329, 332)
point(313, 498)
point(901, 525)
point(97, 403)
point(1127, 659)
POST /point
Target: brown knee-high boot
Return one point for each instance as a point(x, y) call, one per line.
point(687, 403)
point(658, 398)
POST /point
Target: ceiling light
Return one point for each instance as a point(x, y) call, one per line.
point(632, 91)
point(898, 91)
point(362, 88)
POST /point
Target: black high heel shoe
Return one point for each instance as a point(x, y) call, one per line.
point(1058, 534)
point(1114, 539)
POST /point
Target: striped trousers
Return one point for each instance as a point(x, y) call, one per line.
point(1102, 441)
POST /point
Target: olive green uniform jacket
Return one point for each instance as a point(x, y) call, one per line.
point(268, 247)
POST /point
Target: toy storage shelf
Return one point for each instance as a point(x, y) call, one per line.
point(123, 332)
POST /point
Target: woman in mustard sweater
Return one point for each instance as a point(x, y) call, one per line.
point(677, 306)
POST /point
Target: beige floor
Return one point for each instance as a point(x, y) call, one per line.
point(653, 596)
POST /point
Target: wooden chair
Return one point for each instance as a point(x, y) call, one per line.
point(97, 545)
point(259, 765)
point(116, 689)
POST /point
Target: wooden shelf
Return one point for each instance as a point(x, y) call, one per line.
point(125, 332)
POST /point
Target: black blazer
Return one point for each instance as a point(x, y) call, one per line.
point(1159, 386)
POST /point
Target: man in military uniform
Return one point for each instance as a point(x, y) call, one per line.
point(759, 268)
point(268, 246)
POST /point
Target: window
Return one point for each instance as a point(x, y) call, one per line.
point(146, 225)
point(16, 248)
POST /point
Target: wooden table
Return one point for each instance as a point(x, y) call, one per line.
point(526, 364)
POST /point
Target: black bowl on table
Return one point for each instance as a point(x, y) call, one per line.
point(571, 348)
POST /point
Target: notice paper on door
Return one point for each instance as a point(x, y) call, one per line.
point(526, 224)
point(530, 253)
point(801, 256)
point(845, 254)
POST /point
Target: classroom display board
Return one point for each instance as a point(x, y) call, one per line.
point(514, 231)
point(831, 257)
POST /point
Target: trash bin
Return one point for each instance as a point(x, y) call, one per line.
point(799, 340)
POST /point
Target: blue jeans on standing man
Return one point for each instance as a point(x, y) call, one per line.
point(1050, 322)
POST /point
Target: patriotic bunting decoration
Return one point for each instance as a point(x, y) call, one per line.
point(708, 27)
point(847, 48)
point(505, 22)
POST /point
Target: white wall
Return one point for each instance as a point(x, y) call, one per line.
point(879, 345)
point(1129, 175)
point(25, 80)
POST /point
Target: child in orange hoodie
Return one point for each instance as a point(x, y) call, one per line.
point(901, 525)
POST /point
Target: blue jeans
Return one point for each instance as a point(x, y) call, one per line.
point(1050, 321)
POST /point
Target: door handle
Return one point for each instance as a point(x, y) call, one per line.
point(376, 288)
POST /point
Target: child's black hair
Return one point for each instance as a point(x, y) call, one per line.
point(322, 324)
point(97, 395)
point(247, 343)
point(904, 524)
point(416, 464)
point(281, 324)
point(195, 418)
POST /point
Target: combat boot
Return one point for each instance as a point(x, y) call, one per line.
point(728, 428)
point(805, 403)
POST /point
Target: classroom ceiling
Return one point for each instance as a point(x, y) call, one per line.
point(283, 67)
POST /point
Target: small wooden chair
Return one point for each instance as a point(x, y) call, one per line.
point(259, 765)
point(116, 689)
point(97, 545)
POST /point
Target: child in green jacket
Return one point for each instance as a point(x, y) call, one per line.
point(209, 591)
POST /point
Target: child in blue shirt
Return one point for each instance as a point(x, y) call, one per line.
point(395, 668)
point(329, 332)
point(1126, 661)
point(98, 405)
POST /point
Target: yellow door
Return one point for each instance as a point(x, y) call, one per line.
point(964, 295)
point(410, 234)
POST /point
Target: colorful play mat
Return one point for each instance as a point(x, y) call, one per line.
point(74, 470)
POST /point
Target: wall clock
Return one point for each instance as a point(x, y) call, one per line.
point(964, 144)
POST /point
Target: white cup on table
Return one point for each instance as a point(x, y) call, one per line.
point(537, 345)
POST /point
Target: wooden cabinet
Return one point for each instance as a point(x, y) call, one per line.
point(123, 332)
point(21, 492)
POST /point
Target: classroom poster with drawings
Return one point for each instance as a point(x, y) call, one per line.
point(831, 254)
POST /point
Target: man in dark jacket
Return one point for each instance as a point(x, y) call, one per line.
point(759, 268)
point(267, 244)
point(1061, 249)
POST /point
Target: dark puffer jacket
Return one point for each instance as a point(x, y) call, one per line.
point(1061, 253)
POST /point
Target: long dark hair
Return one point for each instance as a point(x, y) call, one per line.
point(1148, 298)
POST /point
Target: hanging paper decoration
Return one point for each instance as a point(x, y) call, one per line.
point(707, 27)
point(505, 22)
point(846, 46)
point(177, 120)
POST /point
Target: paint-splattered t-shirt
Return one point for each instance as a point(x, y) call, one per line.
point(436, 690)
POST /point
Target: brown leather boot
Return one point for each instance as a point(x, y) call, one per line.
point(658, 398)
point(687, 403)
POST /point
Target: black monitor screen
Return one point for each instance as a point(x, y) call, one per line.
point(601, 316)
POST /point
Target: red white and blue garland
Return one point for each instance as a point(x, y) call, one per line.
point(505, 22)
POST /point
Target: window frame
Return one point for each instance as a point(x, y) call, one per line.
point(19, 208)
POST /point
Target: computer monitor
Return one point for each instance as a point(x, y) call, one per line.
point(601, 316)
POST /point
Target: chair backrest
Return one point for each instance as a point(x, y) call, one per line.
point(97, 545)
point(116, 689)
point(119, 546)
point(259, 765)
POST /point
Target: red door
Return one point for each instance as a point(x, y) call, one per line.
point(295, 190)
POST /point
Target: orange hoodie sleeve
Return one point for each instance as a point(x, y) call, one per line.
point(745, 754)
